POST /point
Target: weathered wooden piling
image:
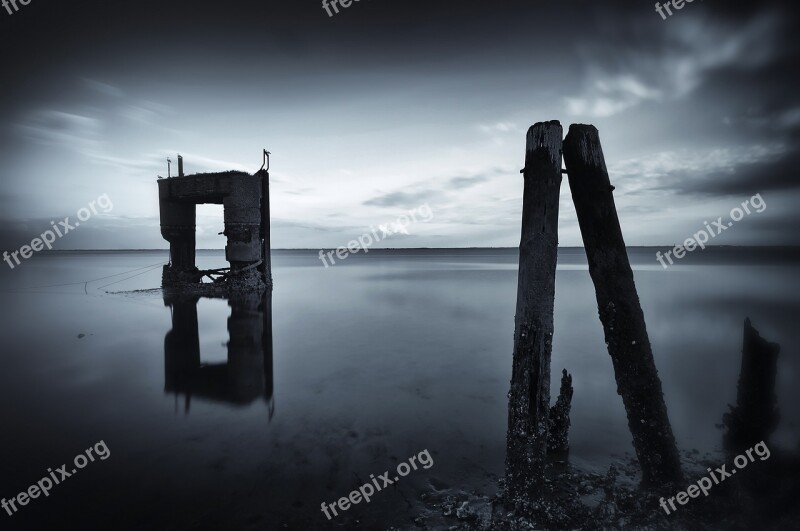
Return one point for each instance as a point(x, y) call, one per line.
point(529, 397)
point(620, 311)
point(756, 414)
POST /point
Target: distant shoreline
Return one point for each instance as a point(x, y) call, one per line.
point(384, 249)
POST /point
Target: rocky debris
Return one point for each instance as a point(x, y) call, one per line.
point(579, 499)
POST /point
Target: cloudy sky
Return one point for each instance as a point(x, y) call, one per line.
point(393, 104)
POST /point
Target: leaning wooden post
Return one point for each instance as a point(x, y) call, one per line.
point(529, 397)
point(620, 311)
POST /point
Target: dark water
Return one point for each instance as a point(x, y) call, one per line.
point(372, 361)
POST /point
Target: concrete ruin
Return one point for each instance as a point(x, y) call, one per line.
point(245, 199)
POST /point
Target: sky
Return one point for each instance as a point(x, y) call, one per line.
point(390, 105)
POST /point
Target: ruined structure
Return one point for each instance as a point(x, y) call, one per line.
point(245, 199)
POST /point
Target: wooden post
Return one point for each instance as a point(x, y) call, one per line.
point(620, 311)
point(529, 397)
point(756, 414)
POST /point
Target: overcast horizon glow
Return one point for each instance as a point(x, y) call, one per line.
point(388, 106)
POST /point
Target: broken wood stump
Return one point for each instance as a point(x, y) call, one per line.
point(756, 414)
point(558, 433)
point(529, 396)
point(619, 308)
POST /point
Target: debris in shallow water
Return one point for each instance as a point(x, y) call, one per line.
point(463, 511)
point(448, 505)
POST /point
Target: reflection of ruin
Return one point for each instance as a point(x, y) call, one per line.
point(245, 377)
point(245, 199)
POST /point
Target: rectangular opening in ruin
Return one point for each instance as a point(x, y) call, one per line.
point(210, 240)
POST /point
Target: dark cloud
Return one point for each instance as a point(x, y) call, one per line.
point(402, 199)
point(783, 230)
point(747, 178)
point(412, 199)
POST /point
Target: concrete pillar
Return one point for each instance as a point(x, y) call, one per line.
point(243, 229)
point(178, 228)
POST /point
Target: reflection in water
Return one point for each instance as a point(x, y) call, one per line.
point(248, 372)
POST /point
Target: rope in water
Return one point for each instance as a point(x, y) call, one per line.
point(86, 282)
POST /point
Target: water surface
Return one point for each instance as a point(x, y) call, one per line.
point(372, 361)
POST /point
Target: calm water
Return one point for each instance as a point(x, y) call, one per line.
point(372, 361)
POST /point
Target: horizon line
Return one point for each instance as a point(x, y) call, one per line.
point(166, 249)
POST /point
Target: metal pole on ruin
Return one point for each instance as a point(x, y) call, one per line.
point(620, 311)
point(266, 253)
point(529, 397)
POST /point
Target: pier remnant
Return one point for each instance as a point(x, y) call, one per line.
point(756, 414)
point(245, 199)
point(619, 307)
point(529, 397)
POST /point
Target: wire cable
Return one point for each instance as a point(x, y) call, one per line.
point(84, 282)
